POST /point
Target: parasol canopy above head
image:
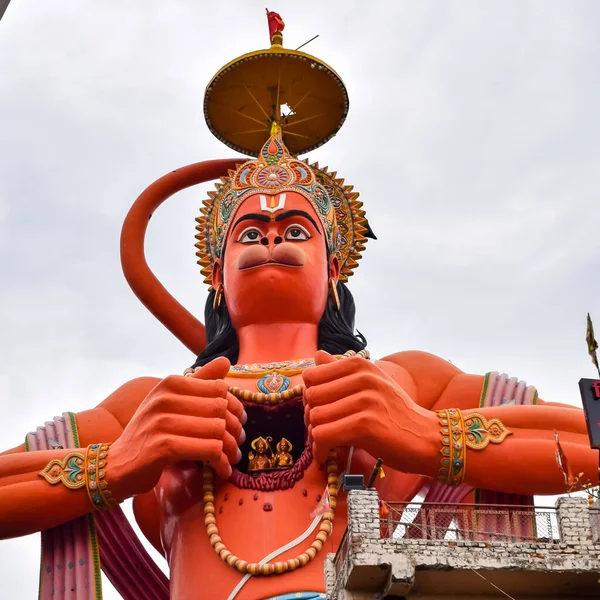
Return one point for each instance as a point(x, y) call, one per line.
point(299, 92)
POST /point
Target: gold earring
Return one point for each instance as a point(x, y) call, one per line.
point(218, 298)
point(334, 294)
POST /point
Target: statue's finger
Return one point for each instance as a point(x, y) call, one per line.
point(209, 388)
point(331, 370)
point(324, 358)
point(306, 415)
point(331, 413)
point(234, 427)
point(332, 391)
point(321, 453)
point(231, 448)
point(215, 369)
point(331, 435)
point(222, 467)
point(189, 425)
point(236, 408)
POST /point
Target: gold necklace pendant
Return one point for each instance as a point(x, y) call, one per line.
point(273, 383)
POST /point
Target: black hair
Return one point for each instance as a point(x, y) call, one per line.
point(335, 334)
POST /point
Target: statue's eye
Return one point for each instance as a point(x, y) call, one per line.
point(297, 233)
point(250, 235)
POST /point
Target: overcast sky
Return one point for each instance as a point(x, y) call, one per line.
point(472, 137)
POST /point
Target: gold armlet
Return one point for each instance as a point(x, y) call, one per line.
point(460, 432)
point(70, 471)
point(79, 469)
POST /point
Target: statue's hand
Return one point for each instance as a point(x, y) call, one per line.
point(183, 418)
point(352, 402)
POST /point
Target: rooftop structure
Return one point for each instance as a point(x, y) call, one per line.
point(442, 551)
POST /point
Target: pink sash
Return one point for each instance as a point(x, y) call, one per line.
point(70, 564)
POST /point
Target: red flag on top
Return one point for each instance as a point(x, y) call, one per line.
point(275, 23)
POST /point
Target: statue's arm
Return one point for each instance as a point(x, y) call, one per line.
point(153, 423)
point(27, 502)
point(525, 461)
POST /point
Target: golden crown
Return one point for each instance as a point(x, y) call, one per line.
point(274, 171)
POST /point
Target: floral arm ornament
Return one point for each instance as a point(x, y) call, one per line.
point(461, 431)
point(83, 469)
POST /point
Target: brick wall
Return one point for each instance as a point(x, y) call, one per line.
point(367, 567)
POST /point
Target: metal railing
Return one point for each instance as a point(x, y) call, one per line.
point(468, 522)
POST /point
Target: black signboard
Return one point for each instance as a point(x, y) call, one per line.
point(590, 396)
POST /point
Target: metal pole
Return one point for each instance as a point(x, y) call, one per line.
point(375, 472)
point(309, 41)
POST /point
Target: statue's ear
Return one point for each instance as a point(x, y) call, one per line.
point(217, 274)
point(334, 267)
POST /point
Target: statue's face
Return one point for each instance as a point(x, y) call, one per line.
point(275, 267)
point(284, 446)
point(260, 447)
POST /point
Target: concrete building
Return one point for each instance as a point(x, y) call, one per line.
point(433, 552)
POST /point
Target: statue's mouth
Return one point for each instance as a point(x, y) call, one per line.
point(285, 255)
point(269, 263)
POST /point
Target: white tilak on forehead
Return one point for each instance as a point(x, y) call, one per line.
point(272, 209)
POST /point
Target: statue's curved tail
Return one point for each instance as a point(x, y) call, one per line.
point(145, 285)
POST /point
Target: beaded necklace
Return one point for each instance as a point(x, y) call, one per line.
point(330, 499)
point(279, 567)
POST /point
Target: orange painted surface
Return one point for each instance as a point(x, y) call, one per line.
point(276, 293)
point(151, 293)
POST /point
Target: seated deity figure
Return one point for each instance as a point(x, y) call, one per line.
point(276, 241)
point(283, 458)
point(262, 459)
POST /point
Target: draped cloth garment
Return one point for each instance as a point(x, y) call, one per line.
point(73, 553)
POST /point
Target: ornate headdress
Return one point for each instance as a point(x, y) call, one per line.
point(266, 442)
point(280, 444)
point(274, 171)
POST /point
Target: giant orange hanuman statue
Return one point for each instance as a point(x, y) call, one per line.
point(234, 466)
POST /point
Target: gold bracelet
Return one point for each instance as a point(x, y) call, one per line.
point(460, 432)
point(96, 459)
point(452, 464)
point(77, 470)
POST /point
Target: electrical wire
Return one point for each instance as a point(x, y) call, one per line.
point(492, 584)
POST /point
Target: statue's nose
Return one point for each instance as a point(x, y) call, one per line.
point(277, 240)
